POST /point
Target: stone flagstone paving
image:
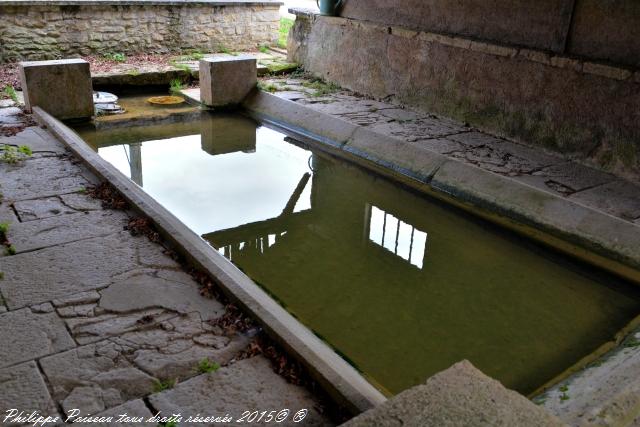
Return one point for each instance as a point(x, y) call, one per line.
point(94, 319)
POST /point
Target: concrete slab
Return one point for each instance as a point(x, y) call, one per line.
point(57, 230)
point(81, 202)
point(35, 209)
point(61, 87)
point(416, 129)
point(619, 198)
point(242, 386)
point(459, 396)
point(39, 178)
point(338, 105)
point(23, 388)
point(26, 336)
point(71, 268)
point(227, 81)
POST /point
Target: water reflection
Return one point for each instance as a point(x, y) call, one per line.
point(401, 285)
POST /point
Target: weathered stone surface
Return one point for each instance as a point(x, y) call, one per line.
point(619, 198)
point(134, 410)
point(227, 81)
point(343, 104)
point(28, 236)
point(70, 268)
point(22, 387)
point(37, 139)
point(81, 202)
point(10, 116)
point(103, 376)
point(566, 178)
point(60, 87)
point(40, 177)
point(175, 291)
point(45, 31)
point(458, 396)
point(30, 210)
point(26, 336)
point(6, 213)
point(249, 383)
point(605, 393)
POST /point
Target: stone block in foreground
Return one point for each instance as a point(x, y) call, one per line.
point(227, 81)
point(61, 87)
point(459, 396)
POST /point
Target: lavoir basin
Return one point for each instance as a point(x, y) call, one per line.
point(400, 285)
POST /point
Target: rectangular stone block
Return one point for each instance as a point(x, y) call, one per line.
point(227, 81)
point(61, 87)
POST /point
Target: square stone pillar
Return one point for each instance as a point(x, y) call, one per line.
point(227, 81)
point(61, 87)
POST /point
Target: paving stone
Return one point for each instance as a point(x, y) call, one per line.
point(134, 410)
point(439, 145)
point(339, 105)
point(249, 384)
point(40, 177)
point(566, 178)
point(458, 396)
point(28, 236)
point(6, 212)
point(26, 335)
point(71, 268)
point(39, 140)
point(10, 115)
point(4, 103)
point(416, 130)
point(23, 388)
point(619, 198)
point(101, 373)
point(499, 156)
point(29, 210)
point(79, 298)
point(175, 291)
point(81, 202)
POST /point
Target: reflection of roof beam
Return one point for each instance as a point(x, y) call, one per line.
point(252, 231)
point(293, 200)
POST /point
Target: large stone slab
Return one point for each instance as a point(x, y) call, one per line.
point(173, 290)
point(76, 267)
point(61, 87)
point(39, 140)
point(459, 396)
point(619, 198)
point(566, 178)
point(26, 335)
point(28, 236)
point(40, 177)
point(23, 388)
point(249, 384)
point(227, 81)
point(30, 210)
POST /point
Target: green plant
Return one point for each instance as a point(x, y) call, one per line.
point(264, 49)
point(283, 33)
point(1, 278)
point(11, 154)
point(564, 388)
point(196, 55)
point(206, 366)
point(134, 72)
point(11, 93)
point(176, 85)
point(10, 250)
point(4, 229)
point(223, 49)
point(115, 57)
point(162, 385)
point(564, 396)
point(631, 343)
point(267, 87)
point(320, 87)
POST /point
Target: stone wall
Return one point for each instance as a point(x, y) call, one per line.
point(37, 30)
point(606, 30)
point(589, 110)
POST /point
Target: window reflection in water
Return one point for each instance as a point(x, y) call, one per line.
point(396, 236)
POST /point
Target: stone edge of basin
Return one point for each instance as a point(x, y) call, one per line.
point(337, 377)
point(146, 3)
point(607, 241)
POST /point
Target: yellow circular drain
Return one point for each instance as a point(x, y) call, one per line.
point(165, 100)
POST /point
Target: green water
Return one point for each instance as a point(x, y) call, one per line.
point(401, 285)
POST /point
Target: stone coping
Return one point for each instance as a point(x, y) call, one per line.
point(598, 238)
point(606, 70)
point(140, 3)
point(335, 375)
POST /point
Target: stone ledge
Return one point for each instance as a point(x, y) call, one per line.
point(610, 71)
point(31, 3)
